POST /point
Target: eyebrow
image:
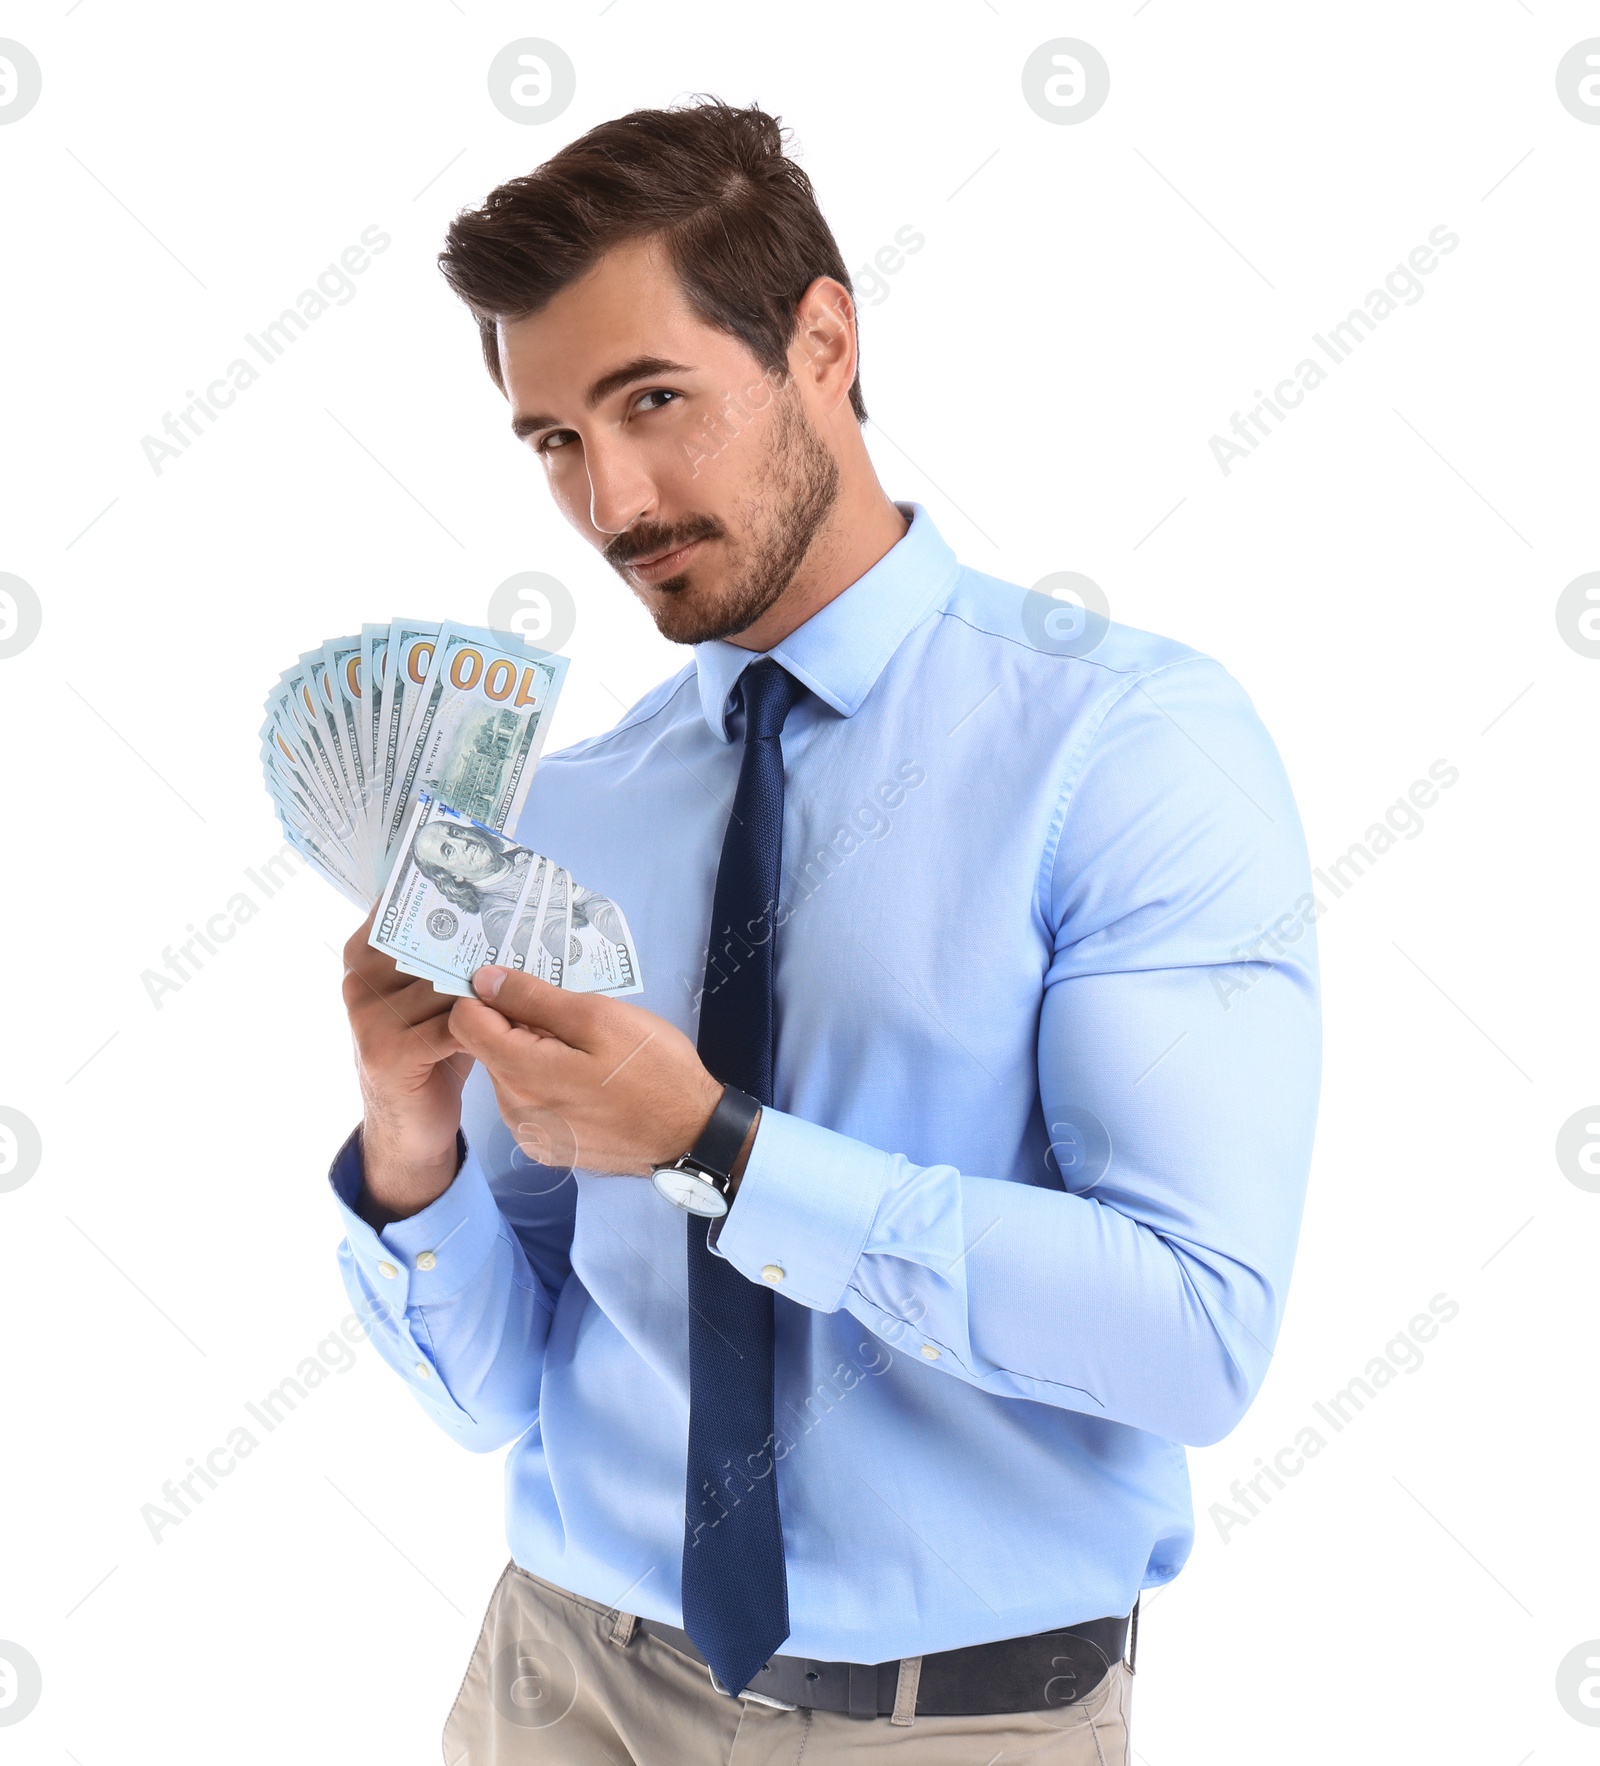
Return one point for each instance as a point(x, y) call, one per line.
point(640, 368)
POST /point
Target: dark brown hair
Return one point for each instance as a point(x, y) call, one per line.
point(738, 218)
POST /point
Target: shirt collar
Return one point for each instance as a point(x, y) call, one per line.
point(842, 649)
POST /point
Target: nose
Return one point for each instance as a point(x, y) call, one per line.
point(621, 492)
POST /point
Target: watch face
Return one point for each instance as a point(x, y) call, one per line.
point(687, 1189)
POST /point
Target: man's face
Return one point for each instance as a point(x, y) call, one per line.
point(698, 475)
point(459, 851)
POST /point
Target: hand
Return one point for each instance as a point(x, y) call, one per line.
point(582, 1079)
point(412, 1070)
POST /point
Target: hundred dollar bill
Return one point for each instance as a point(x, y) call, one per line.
point(539, 937)
point(335, 670)
point(287, 765)
point(295, 800)
point(477, 727)
point(322, 859)
point(538, 940)
point(555, 926)
point(366, 742)
point(600, 948)
point(374, 652)
point(449, 901)
point(302, 737)
point(303, 826)
point(408, 654)
point(343, 656)
point(523, 944)
point(294, 712)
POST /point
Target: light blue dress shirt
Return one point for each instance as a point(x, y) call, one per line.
point(1046, 1081)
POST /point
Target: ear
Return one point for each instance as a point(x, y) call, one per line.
point(822, 356)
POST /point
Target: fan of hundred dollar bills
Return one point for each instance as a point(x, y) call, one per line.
point(395, 760)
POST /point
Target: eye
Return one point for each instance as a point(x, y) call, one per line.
point(656, 392)
point(552, 439)
point(448, 849)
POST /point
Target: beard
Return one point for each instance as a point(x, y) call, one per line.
point(778, 522)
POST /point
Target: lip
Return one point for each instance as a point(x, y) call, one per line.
point(665, 564)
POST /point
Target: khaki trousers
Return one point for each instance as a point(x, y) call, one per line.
point(563, 1681)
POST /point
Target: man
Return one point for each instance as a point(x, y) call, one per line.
point(976, 1067)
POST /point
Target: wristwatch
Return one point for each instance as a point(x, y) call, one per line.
point(701, 1179)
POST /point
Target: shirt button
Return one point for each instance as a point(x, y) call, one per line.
point(427, 1260)
point(387, 1271)
point(424, 1372)
point(930, 1352)
point(772, 1272)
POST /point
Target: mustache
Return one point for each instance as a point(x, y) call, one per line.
point(651, 537)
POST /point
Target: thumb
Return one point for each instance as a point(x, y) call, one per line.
point(539, 1005)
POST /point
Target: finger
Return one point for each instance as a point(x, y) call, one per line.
point(544, 1135)
point(399, 1059)
point(376, 967)
point(356, 943)
point(528, 1058)
point(482, 1032)
point(576, 1018)
point(408, 998)
point(430, 1041)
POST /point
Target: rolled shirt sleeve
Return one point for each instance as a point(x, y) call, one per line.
point(1178, 1061)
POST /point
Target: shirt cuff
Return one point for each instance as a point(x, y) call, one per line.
point(804, 1208)
point(430, 1255)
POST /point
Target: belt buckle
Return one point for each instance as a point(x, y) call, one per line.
point(756, 1698)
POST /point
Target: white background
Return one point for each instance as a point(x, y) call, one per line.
point(1092, 304)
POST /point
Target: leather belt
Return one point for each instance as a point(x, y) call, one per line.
point(1036, 1673)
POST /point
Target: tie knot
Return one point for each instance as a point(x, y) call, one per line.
point(770, 693)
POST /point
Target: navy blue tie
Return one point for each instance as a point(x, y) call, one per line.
point(735, 1590)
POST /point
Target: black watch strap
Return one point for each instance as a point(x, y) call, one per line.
point(717, 1149)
